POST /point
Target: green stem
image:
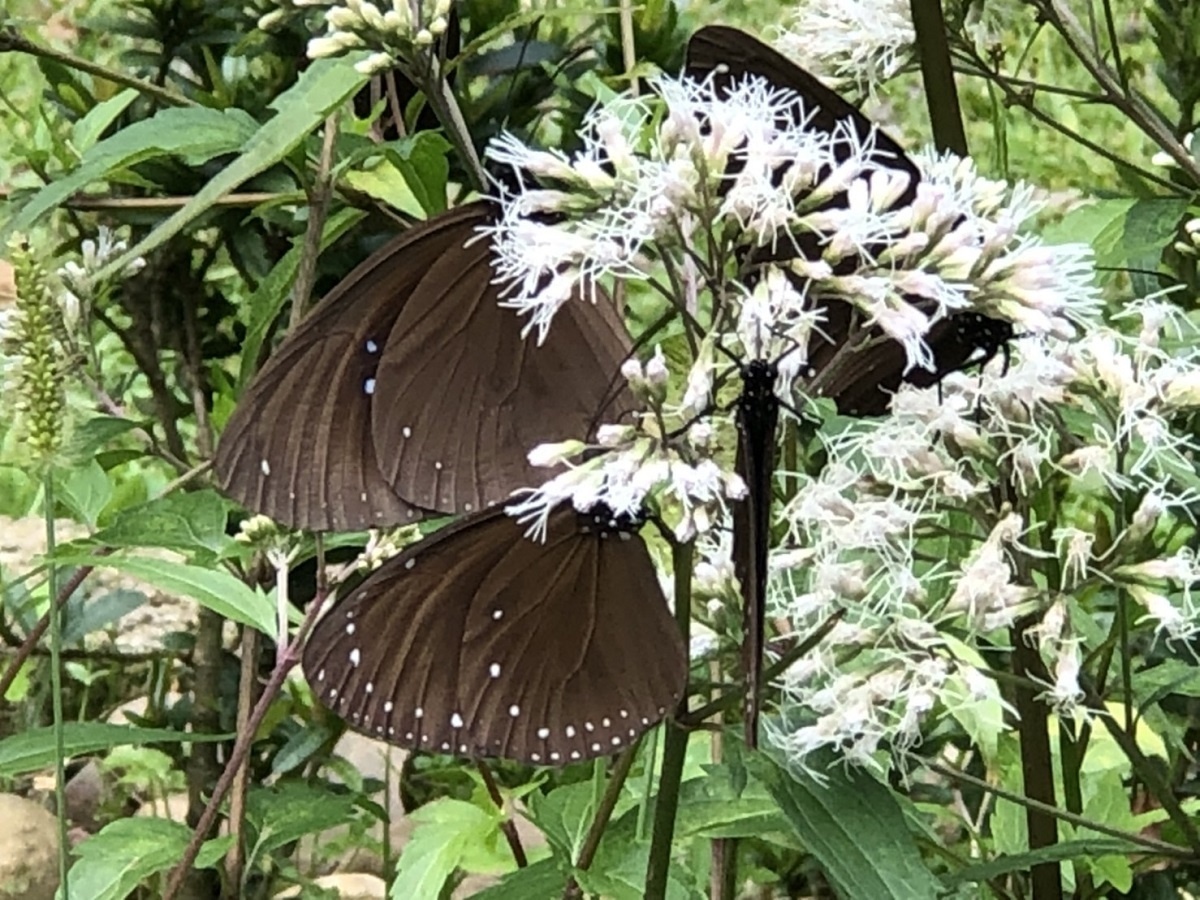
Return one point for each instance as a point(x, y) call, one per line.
point(441, 98)
point(56, 685)
point(11, 41)
point(675, 744)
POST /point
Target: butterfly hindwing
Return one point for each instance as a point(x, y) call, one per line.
point(479, 642)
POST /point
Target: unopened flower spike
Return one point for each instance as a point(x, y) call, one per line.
point(35, 336)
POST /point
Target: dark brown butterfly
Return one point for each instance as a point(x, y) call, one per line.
point(859, 383)
point(860, 379)
point(479, 642)
point(409, 389)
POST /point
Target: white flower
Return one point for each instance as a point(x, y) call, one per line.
point(861, 42)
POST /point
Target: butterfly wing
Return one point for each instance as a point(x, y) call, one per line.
point(479, 642)
point(865, 379)
point(727, 54)
point(410, 389)
point(468, 397)
point(298, 447)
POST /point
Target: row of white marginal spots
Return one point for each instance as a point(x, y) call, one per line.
point(456, 719)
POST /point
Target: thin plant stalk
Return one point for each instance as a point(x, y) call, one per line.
point(674, 743)
point(604, 810)
point(241, 748)
point(56, 685)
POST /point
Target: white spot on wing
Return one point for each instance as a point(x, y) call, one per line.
point(355, 657)
point(369, 386)
point(418, 712)
point(410, 562)
point(372, 347)
point(494, 670)
point(389, 706)
point(456, 721)
point(543, 733)
point(497, 614)
point(265, 466)
point(514, 710)
point(570, 731)
point(406, 431)
point(350, 628)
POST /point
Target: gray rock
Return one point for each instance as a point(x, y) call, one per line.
point(28, 850)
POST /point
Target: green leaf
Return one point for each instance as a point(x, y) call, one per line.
point(196, 133)
point(90, 435)
point(178, 521)
point(287, 812)
point(85, 491)
point(17, 492)
point(33, 749)
point(853, 827)
point(113, 862)
point(215, 589)
point(99, 612)
point(422, 161)
point(539, 881)
point(1023, 862)
point(565, 815)
point(445, 832)
point(265, 303)
point(299, 748)
point(325, 85)
point(87, 130)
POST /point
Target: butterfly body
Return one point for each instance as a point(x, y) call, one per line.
point(757, 419)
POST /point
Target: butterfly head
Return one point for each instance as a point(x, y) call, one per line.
point(602, 520)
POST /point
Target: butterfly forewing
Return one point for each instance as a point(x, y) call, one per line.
point(479, 642)
point(409, 389)
point(726, 54)
point(498, 394)
point(862, 381)
point(298, 447)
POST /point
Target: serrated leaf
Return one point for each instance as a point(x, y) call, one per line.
point(196, 133)
point(215, 589)
point(538, 881)
point(84, 490)
point(323, 86)
point(289, 811)
point(113, 862)
point(447, 834)
point(852, 826)
point(33, 749)
point(565, 815)
point(194, 520)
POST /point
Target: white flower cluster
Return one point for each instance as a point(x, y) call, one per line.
point(629, 463)
point(921, 532)
point(392, 30)
point(860, 43)
point(692, 191)
point(79, 278)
